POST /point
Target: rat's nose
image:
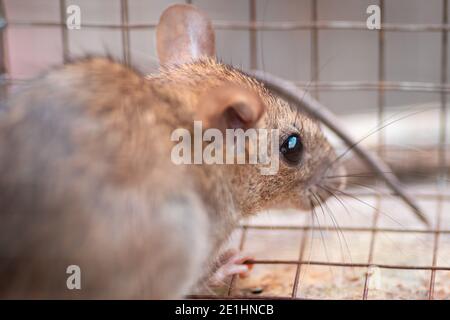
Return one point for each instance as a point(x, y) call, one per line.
point(333, 180)
point(337, 178)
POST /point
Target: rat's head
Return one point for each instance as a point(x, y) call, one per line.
point(300, 166)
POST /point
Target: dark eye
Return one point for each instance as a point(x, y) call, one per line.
point(292, 149)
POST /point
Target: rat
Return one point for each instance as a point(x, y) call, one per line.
point(86, 176)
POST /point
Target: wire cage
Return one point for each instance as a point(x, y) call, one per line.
point(301, 256)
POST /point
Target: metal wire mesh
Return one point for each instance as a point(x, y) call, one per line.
point(440, 197)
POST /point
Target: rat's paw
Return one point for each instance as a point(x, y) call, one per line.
point(229, 263)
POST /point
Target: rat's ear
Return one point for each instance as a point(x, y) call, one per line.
point(230, 107)
point(183, 34)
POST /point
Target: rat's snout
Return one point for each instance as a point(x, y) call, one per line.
point(335, 178)
point(330, 181)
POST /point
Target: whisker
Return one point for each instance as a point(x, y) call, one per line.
point(369, 205)
point(381, 127)
point(370, 188)
point(320, 231)
point(338, 199)
point(336, 224)
point(308, 85)
point(373, 174)
point(384, 234)
point(311, 241)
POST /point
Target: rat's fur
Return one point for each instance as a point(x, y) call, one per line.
point(86, 179)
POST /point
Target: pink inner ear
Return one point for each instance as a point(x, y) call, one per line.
point(230, 106)
point(233, 120)
point(183, 34)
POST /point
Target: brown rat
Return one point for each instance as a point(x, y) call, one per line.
point(86, 176)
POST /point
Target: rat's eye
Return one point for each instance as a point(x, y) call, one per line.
point(292, 149)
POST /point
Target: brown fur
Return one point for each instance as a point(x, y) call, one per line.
point(86, 179)
point(86, 176)
point(252, 191)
